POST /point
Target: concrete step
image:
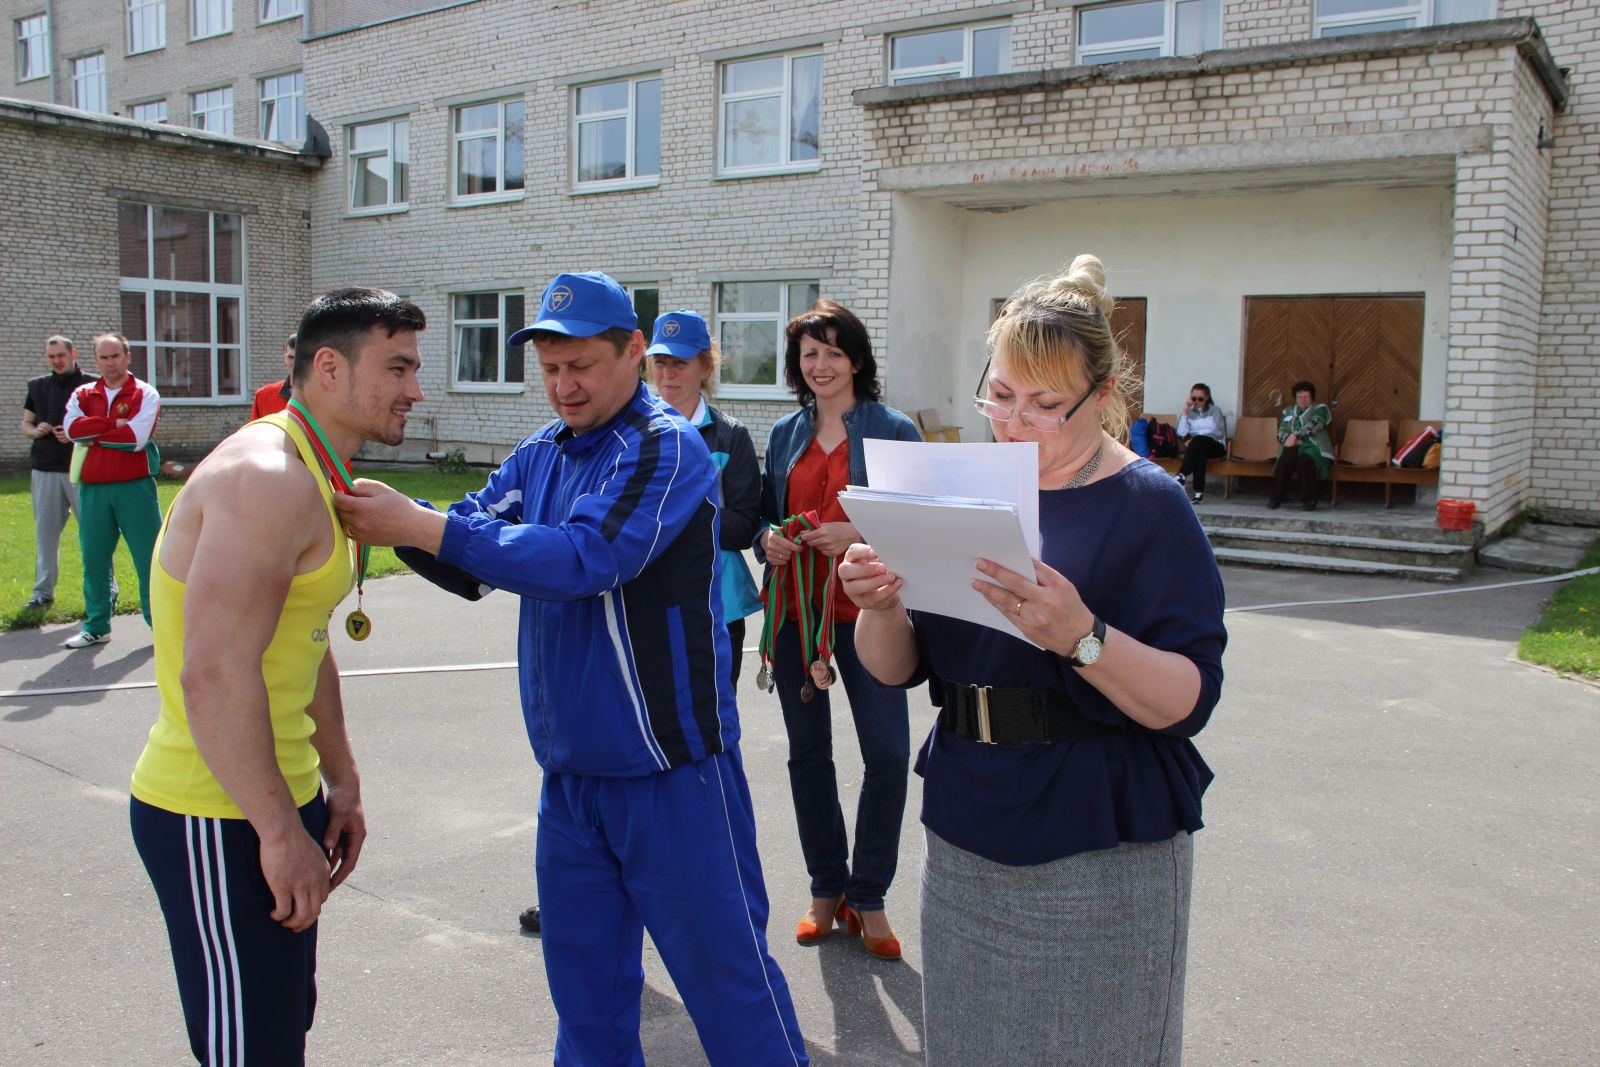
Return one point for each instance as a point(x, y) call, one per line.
point(1327, 520)
point(1252, 557)
point(1540, 549)
point(1343, 546)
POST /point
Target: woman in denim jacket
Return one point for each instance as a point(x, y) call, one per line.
point(812, 454)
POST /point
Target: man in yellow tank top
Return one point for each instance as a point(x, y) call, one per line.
point(229, 812)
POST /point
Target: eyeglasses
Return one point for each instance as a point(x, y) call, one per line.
point(1032, 419)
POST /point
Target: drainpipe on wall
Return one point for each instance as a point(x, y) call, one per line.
point(52, 29)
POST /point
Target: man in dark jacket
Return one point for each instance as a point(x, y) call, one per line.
point(50, 457)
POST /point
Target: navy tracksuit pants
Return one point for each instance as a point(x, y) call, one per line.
point(247, 982)
point(673, 853)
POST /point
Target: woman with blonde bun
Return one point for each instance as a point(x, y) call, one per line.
point(1061, 786)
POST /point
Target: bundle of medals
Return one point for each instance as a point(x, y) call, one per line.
point(791, 587)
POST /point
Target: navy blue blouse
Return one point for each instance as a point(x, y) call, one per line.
point(1134, 549)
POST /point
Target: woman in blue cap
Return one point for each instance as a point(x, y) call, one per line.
point(683, 367)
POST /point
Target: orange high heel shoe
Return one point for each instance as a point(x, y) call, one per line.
point(810, 930)
point(883, 948)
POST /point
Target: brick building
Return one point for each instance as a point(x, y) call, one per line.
point(1386, 196)
point(192, 244)
point(229, 66)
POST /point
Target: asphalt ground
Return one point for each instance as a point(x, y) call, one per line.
point(1398, 866)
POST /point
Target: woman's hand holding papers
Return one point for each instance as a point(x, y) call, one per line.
point(867, 582)
point(1048, 611)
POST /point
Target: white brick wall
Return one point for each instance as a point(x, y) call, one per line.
point(1524, 371)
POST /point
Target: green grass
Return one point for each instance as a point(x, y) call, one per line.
point(17, 549)
point(1567, 637)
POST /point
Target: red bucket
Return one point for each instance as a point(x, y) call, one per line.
point(1456, 514)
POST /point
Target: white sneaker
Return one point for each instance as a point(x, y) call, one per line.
point(85, 639)
point(1197, 497)
point(1181, 479)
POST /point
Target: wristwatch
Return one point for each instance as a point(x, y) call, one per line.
point(1089, 646)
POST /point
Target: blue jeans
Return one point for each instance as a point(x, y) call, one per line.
point(883, 730)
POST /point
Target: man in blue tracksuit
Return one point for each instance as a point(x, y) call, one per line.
point(605, 523)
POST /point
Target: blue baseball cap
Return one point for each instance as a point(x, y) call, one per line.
point(681, 334)
point(580, 305)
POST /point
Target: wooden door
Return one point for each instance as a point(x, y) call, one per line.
point(1363, 353)
point(1127, 326)
point(1377, 358)
point(1286, 339)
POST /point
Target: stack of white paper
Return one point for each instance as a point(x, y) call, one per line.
point(932, 512)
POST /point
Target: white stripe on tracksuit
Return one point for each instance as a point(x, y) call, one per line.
point(208, 882)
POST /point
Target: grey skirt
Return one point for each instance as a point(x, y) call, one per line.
point(1074, 963)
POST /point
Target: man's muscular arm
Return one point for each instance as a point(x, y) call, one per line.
point(347, 821)
point(256, 518)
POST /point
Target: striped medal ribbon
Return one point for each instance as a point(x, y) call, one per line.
point(356, 624)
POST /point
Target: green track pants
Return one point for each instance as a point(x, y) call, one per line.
point(105, 511)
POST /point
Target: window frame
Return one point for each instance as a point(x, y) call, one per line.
point(228, 110)
point(351, 155)
point(1425, 13)
point(150, 286)
point(906, 75)
point(263, 117)
point(499, 385)
point(501, 195)
point(25, 47)
point(1166, 44)
point(779, 389)
point(630, 179)
point(79, 79)
point(225, 7)
point(785, 108)
point(263, 19)
point(134, 12)
point(162, 104)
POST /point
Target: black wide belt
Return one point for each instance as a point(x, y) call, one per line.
point(1015, 716)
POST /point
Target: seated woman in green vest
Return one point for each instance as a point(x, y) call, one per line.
point(1304, 447)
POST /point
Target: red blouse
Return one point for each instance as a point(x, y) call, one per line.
point(815, 483)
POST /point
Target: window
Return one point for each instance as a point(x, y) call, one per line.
point(147, 25)
point(488, 149)
point(1339, 18)
point(617, 132)
point(183, 299)
point(954, 52)
point(208, 18)
point(283, 107)
point(273, 10)
point(380, 164)
point(33, 48)
point(212, 110)
point(480, 324)
point(750, 321)
point(89, 83)
point(155, 111)
point(1148, 29)
point(646, 297)
point(771, 113)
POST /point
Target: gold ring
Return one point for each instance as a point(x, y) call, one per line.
point(1018, 609)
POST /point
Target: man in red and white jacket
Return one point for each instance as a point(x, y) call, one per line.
point(112, 420)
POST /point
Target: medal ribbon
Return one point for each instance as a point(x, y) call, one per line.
point(815, 622)
point(338, 477)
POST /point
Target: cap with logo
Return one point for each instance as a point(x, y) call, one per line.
point(681, 334)
point(580, 305)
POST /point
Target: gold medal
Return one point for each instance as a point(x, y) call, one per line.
point(357, 625)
